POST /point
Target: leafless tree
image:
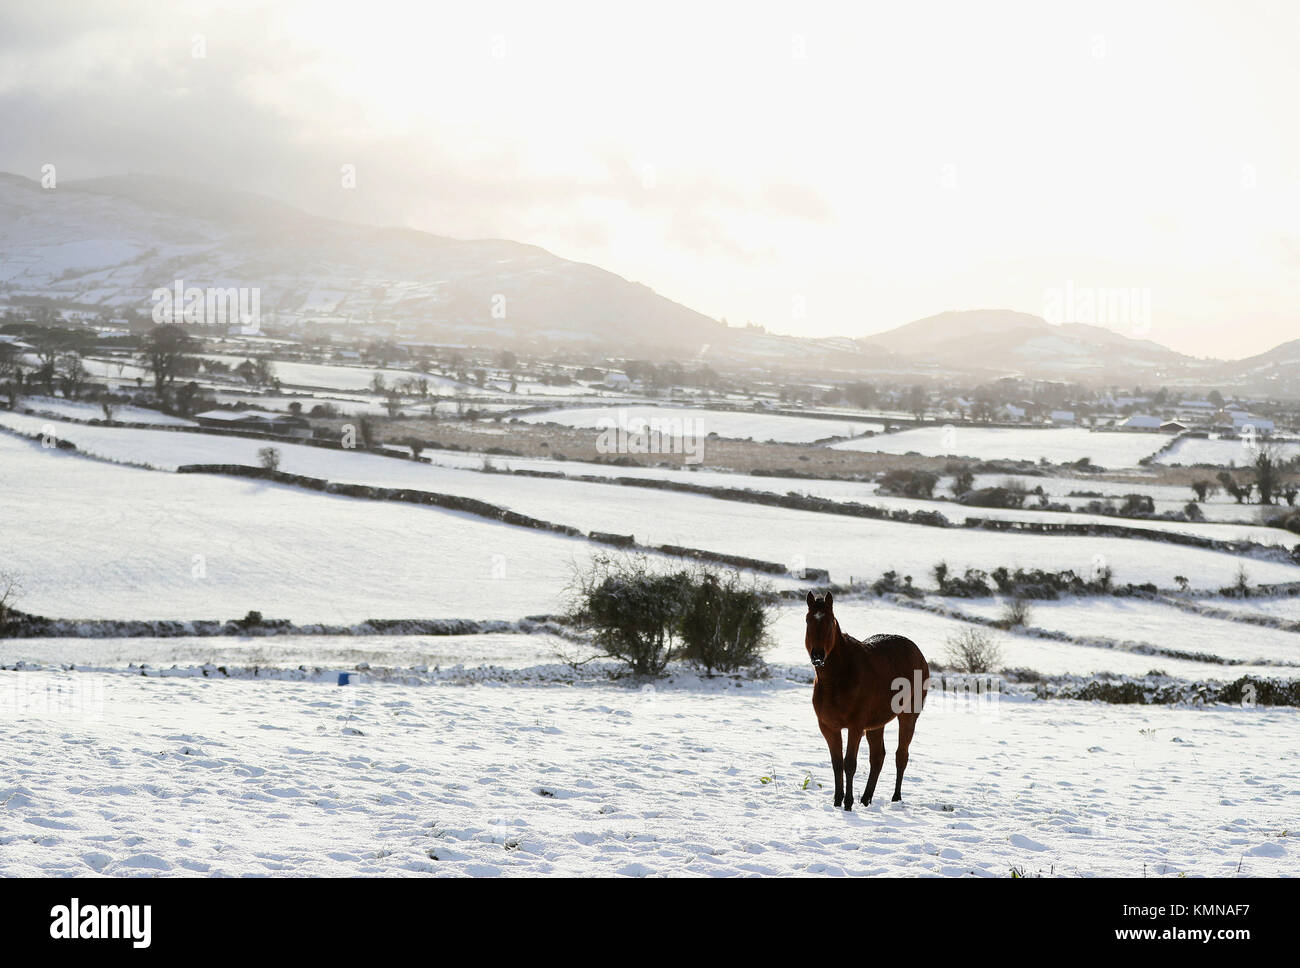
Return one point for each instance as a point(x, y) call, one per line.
point(11, 374)
point(10, 589)
point(973, 650)
point(72, 374)
point(166, 349)
point(1268, 468)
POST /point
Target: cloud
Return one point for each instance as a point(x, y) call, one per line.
point(706, 162)
point(117, 88)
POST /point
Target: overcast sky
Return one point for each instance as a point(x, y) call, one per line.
point(814, 168)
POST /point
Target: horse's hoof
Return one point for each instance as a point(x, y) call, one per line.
point(848, 804)
point(897, 798)
point(866, 802)
point(838, 801)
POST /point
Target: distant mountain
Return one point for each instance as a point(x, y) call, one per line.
point(1274, 373)
point(1006, 342)
point(109, 242)
point(922, 337)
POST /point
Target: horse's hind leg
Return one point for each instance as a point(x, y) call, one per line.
point(906, 727)
point(876, 752)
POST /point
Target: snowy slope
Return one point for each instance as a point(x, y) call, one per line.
point(132, 776)
point(94, 540)
point(1153, 622)
point(1220, 453)
point(1057, 444)
point(850, 547)
point(702, 422)
point(454, 473)
point(109, 242)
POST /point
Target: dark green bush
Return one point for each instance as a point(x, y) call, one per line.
point(647, 618)
point(723, 622)
point(890, 582)
point(632, 610)
point(994, 497)
point(973, 584)
point(908, 483)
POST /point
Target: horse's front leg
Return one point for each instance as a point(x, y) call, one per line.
point(851, 766)
point(836, 744)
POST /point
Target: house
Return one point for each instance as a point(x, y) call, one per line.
point(258, 421)
point(1111, 402)
point(1009, 411)
point(1062, 416)
point(1237, 422)
point(617, 381)
point(1141, 421)
point(1173, 427)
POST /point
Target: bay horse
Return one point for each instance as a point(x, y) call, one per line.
point(861, 687)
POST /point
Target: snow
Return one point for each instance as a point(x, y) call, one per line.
point(118, 369)
point(1287, 609)
point(865, 616)
point(455, 473)
point(84, 410)
point(1220, 452)
point(856, 548)
point(127, 775)
point(1227, 520)
point(1138, 620)
point(486, 754)
point(342, 377)
point(1058, 444)
point(105, 541)
point(702, 422)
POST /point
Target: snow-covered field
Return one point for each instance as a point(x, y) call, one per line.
point(865, 616)
point(93, 540)
point(1057, 444)
point(701, 422)
point(454, 473)
point(346, 377)
point(125, 775)
point(80, 410)
point(1167, 497)
point(114, 369)
point(1220, 453)
point(1138, 620)
point(267, 537)
point(487, 754)
point(1287, 609)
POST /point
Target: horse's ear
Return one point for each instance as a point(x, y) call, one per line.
point(810, 600)
point(829, 600)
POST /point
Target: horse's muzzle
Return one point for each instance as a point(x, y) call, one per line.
point(818, 659)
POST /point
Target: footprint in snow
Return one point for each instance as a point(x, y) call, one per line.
point(1268, 850)
point(1025, 843)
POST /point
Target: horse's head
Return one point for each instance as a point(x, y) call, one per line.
point(820, 637)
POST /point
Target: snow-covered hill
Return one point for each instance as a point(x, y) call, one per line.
point(108, 243)
point(1000, 341)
